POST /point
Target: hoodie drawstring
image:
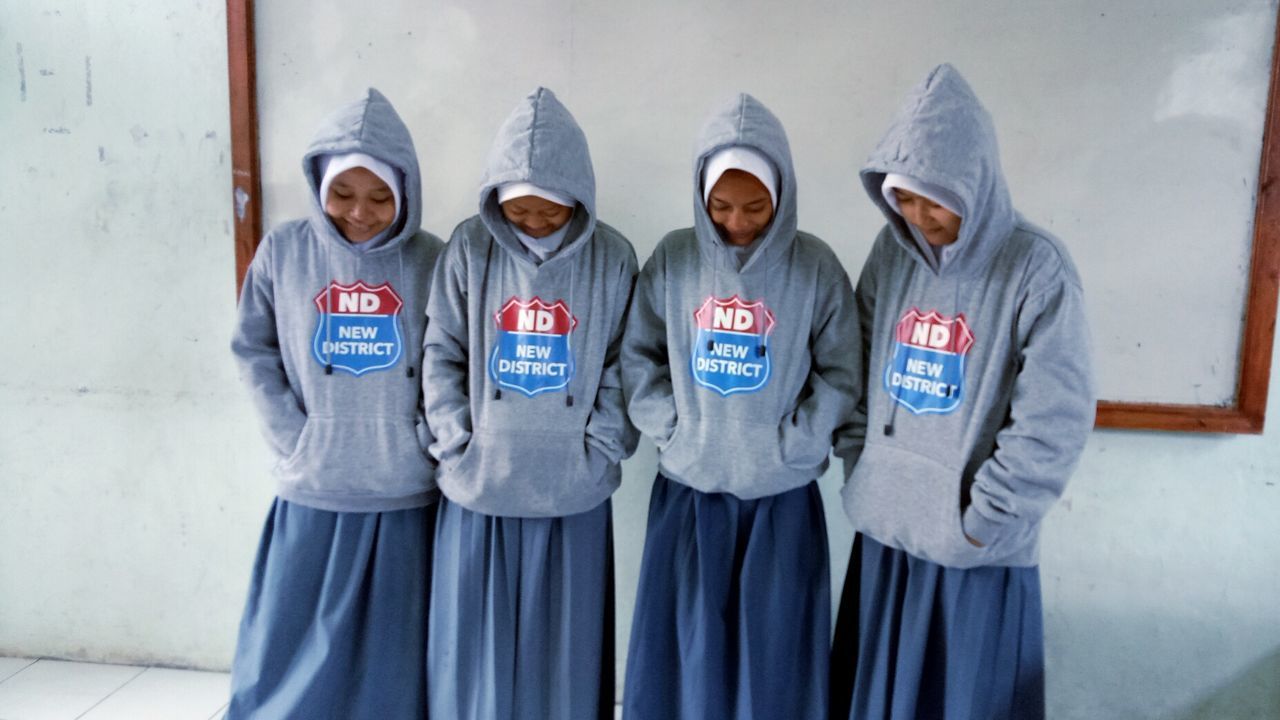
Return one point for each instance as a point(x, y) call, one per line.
point(573, 277)
point(715, 290)
point(484, 292)
point(762, 341)
point(888, 353)
point(408, 372)
point(328, 313)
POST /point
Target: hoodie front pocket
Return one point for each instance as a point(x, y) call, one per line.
point(360, 455)
point(800, 448)
point(529, 473)
point(911, 502)
point(717, 455)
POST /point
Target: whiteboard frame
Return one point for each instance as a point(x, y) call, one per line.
point(1246, 416)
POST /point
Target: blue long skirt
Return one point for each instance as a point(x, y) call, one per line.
point(335, 624)
point(733, 613)
point(918, 640)
point(522, 617)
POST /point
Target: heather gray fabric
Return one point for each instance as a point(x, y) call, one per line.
point(957, 435)
point(525, 431)
point(748, 413)
point(352, 439)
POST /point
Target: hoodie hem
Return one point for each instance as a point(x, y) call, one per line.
point(339, 502)
point(499, 504)
point(752, 492)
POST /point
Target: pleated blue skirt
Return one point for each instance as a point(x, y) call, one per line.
point(918, 640)
point(335, 625)
point(521, 620)
point(733, 612)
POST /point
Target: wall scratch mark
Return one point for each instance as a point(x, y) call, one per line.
point(46, 72)
point(88, 81)
point(57, 131)
point(22, 75)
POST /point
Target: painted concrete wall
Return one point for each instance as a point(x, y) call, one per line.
point(134, 481)
point(130, 467)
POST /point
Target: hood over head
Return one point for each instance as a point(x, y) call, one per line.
point(745, 122)
point(540, 144)
point(942, 136)
point(372, 127)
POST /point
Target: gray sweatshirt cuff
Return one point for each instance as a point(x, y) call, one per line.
point(978, 527)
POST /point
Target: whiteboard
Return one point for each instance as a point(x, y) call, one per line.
point(1133, 131)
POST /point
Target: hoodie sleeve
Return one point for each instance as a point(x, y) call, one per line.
point(646, 375)
point(834, 382)
point(608, 429)
point(851, 436)
point(1050, 416)
point(444, 355)
point(256, 346)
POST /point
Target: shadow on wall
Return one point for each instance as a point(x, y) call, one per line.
point(1254, 693)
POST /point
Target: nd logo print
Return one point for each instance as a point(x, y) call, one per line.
point(926, 374)
point(731, 350)
point(359, 328)
point(532, 354)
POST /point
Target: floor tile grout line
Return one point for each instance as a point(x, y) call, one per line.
point(113, 692)
point(219, 712)
point(19, 671)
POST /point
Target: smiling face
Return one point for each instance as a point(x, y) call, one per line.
point(534, 216)
point(939, 225)
point(740, 207)
point(360, 204)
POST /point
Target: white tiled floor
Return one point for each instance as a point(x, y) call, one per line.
point(58, 690)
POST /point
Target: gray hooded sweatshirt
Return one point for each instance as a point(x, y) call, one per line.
point(329, 340)
point(979, 387)
point(741, 375)
point(522, 381)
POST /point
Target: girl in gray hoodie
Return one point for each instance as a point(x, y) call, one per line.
point(329, 340)
point(524, 395)
point(979, 401)
point(740, 362)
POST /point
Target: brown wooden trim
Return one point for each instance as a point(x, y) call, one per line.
point(1184, 418)
point(1264, 267)
point(246, 183)
point(1247, 415)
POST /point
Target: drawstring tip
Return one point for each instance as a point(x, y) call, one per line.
point(497, 394)
point(760, 350)
point(328, 369)
point(409, 372)
point(568, 401)
point(888, 430)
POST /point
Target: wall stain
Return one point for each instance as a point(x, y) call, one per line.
point(22, 75)
point(242, 203)
point(46, 72)
point(139, 134)
point(102, 154)
point(57, 131)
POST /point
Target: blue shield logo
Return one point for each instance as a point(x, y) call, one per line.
point(926, 374)
point(532, 354)
point(359, 327)
point(731, 352)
